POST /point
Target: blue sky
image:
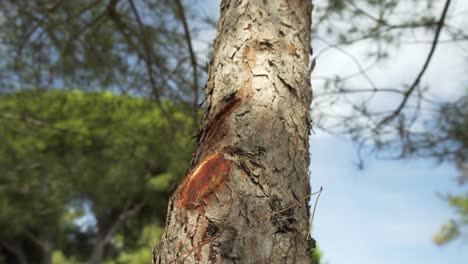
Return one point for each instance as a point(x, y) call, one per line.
point(388, 212)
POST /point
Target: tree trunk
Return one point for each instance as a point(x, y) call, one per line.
point(48, 245)
point(15, 248)
point(245, 199)
point(98, 251)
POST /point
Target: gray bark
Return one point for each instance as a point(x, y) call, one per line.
point(98, 250)
point(252, 157)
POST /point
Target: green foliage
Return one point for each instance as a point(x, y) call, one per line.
point(316, 256)
point(454, 228)
point(70, 156)
point(150, 235)
point(453, 122)
point(59, 258)
point(461, 204)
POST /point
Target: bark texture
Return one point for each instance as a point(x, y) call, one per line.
point(252, 157)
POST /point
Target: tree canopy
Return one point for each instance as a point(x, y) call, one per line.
point(137, 47)
point(79, 169)
point(404, 120)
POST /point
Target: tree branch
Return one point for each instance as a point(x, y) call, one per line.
point(193, 59)
point(28, 35)
point(415, 83)
point(361, 69)
point(147, 53)
point(122, 218)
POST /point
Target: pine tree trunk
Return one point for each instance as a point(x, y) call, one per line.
point(98, 251)
point(48, 245)
point(245, 199)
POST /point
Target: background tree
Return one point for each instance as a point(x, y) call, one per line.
point(454, 123)
point(402, 121)
point(63, 44)
point(85, 176)
point(390, 129)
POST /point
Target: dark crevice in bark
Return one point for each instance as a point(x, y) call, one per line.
point(288, 86)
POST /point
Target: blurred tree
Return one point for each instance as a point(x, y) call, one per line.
point(142, 47)
point(81, 174)
point(141, 254)
point(401, 121)
point(149, 45)
point(317, 256)
point(454, 123)
point(403, 126)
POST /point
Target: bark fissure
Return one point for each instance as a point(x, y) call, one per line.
point(252, 154)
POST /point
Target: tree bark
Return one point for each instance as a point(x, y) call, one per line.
point(252, 159)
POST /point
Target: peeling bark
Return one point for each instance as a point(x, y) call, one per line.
point(252, 155)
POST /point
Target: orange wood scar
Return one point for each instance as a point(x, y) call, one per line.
point(203, 181)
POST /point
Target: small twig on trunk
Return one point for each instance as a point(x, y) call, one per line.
point(200, 245)
point(269, 215)
point(315, 206)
